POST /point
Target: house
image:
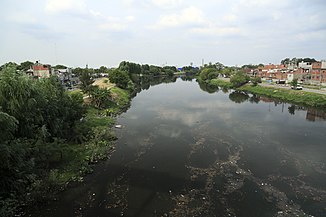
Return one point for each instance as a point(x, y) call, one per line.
point(41, 70)
point(318, 72)
point(66, 77)
point(272, 71)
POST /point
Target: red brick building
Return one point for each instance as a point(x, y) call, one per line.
point(41, 70)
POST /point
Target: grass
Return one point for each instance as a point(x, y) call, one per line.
point(121, 97)
point(220, 83)
point(294, 96)
point(103, 83)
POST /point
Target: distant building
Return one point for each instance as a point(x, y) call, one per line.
point(41, 70)
point(318, 72)
point(66, 77)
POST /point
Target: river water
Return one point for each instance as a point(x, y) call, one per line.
point(190, 150)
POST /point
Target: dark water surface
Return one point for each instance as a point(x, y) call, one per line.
point(185, 152)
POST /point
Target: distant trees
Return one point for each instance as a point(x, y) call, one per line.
point(137, 69)
point(296, 61)
point(24, 66)
point(60, 67)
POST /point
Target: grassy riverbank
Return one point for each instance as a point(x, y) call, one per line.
point(220, 83)
point(294, 96)
point(216, 83)
point(96, 142)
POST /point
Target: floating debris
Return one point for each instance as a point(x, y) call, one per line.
point(118, 126)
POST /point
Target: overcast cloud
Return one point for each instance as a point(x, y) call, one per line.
point(173, 32)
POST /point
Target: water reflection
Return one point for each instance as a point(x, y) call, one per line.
point(238, 97)
point(312, 114)
point(183, 152)
point(315, 115)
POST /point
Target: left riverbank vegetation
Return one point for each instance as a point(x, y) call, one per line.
point(50, 137)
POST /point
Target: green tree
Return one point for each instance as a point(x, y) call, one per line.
point(86, 80)
point(59, 66)
point(294, 82)
point(100, 97)
point(255, 81)
point(120, 78)
point(208, 73)
point(24, 66)
point(8, 126)
point(239, 79)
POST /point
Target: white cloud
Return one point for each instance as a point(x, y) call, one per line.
point(22, 18)
point(54, 6)
point(188, 16)
point(167, 3)
point(217, 31)
point(116, 23)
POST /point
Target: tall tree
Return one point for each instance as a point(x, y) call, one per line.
point(86, 80)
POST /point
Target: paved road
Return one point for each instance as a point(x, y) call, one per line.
point(282, 86)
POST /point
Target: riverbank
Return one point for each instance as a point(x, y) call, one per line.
point(293, 96)
point(94, 144)
point(98, 140)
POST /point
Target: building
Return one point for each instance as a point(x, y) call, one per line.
point(318, 72)
point(41, 70)
point(66, 77)
point(271, 71)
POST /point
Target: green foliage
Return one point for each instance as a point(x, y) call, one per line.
point(190, 70)
point(8, 126)
point(221, 83)
point(208, 74)
point(24, 66)
point(59, 67)
point(100, 97)
point(9, 65)
point(294, 82)
point(85, 77)
point(255, 81)
point(296, 61)
point(239, 79)
point(131, 68)
point(36, 117)
point(120, 78)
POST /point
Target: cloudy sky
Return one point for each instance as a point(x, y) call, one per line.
point(173, 32)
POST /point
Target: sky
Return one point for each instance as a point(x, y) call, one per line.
point(161, 32)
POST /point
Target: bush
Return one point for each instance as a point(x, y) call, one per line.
point(239, 79)
point(120, 78)
point(255, 81)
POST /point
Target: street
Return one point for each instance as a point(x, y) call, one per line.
point(282, 86)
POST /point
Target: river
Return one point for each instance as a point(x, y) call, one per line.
point(189, 150)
